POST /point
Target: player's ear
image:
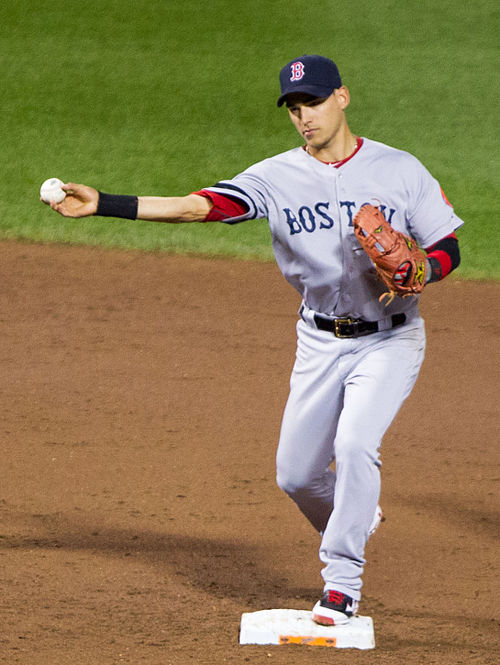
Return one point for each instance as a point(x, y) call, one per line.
point(343, 97)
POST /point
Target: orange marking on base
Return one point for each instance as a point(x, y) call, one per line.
point(310, 641)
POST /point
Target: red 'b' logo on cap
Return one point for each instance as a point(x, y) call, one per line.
point(297, 71)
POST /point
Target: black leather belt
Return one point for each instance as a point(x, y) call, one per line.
point(347, 327)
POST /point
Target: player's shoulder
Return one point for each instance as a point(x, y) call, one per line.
point(401, 164)
point(388, 153)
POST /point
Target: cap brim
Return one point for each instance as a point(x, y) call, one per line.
point(313, 90)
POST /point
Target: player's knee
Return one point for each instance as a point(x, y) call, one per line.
point(297, 481)
point(292, 481)
point(285, 483)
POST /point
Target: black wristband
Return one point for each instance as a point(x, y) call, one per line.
point(116, 205)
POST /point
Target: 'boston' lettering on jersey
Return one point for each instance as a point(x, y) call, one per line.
point(306, 220)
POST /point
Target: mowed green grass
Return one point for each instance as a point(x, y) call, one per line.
point(161, 97)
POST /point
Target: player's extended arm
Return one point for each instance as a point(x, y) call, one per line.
point(83, 201)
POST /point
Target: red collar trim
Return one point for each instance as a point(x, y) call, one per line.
point(359, 143)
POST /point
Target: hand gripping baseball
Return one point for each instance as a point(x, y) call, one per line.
point(399, 262)
point(80, 201)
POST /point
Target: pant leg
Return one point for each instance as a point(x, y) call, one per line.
point(382, 374)
point(305, 450)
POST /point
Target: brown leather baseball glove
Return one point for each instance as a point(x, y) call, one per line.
point(399, 262)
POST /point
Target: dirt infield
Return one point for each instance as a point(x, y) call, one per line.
point(141, 398)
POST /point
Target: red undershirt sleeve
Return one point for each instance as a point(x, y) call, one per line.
point(223, 206)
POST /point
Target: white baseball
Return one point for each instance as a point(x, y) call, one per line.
point(51, 191)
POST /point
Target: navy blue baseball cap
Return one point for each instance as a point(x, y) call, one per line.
point(311, 74)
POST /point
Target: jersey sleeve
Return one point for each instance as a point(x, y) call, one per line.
point(430, 215)
point(247, 191)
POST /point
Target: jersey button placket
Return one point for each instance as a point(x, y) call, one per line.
point(347, 267)
point(339, 235)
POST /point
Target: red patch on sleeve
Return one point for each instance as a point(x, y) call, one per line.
point(445, 198)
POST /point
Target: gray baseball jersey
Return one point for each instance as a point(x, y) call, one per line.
point(311, 205)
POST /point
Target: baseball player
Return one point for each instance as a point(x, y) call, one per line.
point(358, 353)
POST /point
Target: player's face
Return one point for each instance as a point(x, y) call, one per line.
point(318, 119)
